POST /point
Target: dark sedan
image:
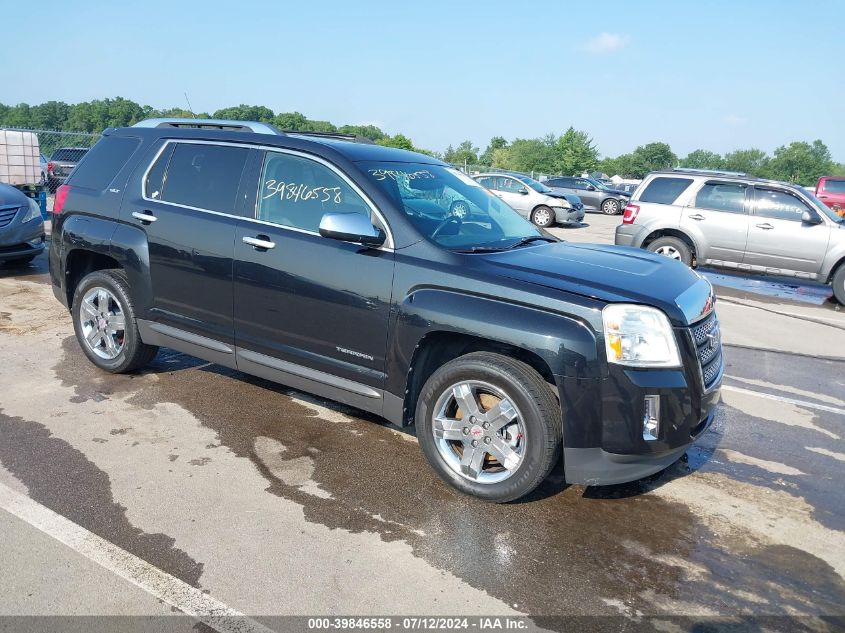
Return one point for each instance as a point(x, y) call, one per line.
point(21, 227)
point(594, 195)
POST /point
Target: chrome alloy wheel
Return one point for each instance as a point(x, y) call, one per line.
point(668, 251)
point(460, 210)
point(479, 433)
point(542, 217)
point(103, 323)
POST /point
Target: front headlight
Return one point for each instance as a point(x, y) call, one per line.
point(639, 336)
point(34, 211)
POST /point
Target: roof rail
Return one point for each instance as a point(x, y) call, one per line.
point(355, 138)
point(715, 172)
point(212, 124)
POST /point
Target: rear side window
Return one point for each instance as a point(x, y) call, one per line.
point(664, 190)
point(204, 176)
point(779, 205)
point(834, 186)
point(69, 154)
point(721, 196)
point(103, 161)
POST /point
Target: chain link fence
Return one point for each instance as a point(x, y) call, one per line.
point(57, 151)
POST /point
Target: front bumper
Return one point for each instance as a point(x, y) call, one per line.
point(568, 216)
point(22, 240)
point(603, 417)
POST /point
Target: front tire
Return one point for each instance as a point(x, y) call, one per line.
point(839, 284)
point(105, 323)
point(543, 217)
point(611, 207)
point(489, 425)
point(672, 247)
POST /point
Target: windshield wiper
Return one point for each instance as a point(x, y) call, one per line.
point(529, 239)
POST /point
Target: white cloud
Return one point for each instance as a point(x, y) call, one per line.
point(604, 43)
point(735, 119)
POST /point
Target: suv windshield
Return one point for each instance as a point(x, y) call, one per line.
point(450, 208)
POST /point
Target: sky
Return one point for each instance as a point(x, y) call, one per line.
point(713, 75)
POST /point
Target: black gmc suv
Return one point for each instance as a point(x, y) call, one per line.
point(309, 260)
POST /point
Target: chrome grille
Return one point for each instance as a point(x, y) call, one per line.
point(708, 342)
point(7, 215)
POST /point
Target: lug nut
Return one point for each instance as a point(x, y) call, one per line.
point(487, 440)
point(486, 425)
point(474, 443)
point(465, 430)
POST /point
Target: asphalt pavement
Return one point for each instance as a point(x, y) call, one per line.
point(192, 489)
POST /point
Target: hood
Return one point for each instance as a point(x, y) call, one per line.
point(11, 197)
point(611, 273)
point(559, 195)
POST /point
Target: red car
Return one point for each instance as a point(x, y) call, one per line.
point(831, 191)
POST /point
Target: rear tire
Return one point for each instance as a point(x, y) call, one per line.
point(516, 453)
point(125, 352)
point(839, 284)
point(543, 216)
point(672, 247)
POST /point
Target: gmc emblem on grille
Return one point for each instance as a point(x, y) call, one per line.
point(712, 340)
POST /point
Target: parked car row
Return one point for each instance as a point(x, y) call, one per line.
point(595, 195)
point(534, 200)
point(737, 222)
point(21, 227)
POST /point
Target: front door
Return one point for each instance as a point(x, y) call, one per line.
point(588, 193)
point(514, 193)
point(188, 210)
point(306, 306)
point(718, 218)
point(779, 240)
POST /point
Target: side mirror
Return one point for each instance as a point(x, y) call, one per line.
point(523, 191)
point(810, 218)
point(351, 227)
point(590, 188)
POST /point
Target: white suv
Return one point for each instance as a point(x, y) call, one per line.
point(729, 220)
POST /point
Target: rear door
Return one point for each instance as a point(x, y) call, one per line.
point(188, 210)
point(717, 218)
point(778, 241)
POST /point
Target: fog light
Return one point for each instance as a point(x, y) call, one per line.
point(651, 417)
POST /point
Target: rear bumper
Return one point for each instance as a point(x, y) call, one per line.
point(626, 235)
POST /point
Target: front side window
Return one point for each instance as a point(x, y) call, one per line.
point(510, 185)
point(728, 197)
point(779, 205)
point(204, 176)
point(297, 192)
point(430, 196)
point(665, 190)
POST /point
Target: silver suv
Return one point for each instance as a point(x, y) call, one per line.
point(729, 220)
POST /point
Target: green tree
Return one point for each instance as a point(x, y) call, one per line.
point(801, 162)
point(497, 142)
point(576, 152)
point(703, 159)
point(747, 161)
point(464, 153)
point(245, 112)
point(651, 157)
point(622, 165)
point(399, 141)
point(532, 154)
point(367, 131)
point(290, 121)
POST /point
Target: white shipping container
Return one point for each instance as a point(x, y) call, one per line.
point(19, 158)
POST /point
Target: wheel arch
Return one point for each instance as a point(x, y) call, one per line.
point(81, 262)
point(656, 234)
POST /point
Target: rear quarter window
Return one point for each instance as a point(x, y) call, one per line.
point(664, 190)
point(102, 162)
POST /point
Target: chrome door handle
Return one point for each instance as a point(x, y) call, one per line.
point(259, 243)
point(697, 216)
point(144, 217)
point(765, 226)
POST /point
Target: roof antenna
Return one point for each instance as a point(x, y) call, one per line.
point(190, 109)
